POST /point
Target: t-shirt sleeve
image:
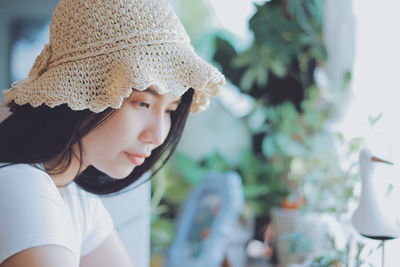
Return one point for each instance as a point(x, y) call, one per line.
point(99, 227)
point(32, 212)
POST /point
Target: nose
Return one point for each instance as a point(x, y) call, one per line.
point(155, 130)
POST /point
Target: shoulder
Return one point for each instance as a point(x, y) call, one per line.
point(25, 180)
point(21, 172)
point(32, 211)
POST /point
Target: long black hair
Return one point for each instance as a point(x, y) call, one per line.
point(42, 134)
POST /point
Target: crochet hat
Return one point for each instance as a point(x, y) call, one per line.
point(99, 51)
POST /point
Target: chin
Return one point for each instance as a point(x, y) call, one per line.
point(122, 174)
point(119, 173)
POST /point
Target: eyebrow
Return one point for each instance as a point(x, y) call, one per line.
point(156, 94)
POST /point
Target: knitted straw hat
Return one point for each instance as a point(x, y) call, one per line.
point(100, 50)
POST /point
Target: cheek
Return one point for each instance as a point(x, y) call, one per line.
point(97, 146)
point(110, 138)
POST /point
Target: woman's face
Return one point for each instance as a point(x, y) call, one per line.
point(124, 141)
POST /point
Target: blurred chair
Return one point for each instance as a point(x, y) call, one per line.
point(206, 221)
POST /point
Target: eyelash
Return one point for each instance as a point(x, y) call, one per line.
point(143, 104)
point(147, 106)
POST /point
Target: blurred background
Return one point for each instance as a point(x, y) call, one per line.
point(310, 84)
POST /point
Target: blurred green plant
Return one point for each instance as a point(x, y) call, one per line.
point(277, 70)
point(315, 162)
point(290, 120)
point(280, 63)
point(293, 150)
point(354, 253)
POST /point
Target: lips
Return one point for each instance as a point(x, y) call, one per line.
point(136, 159)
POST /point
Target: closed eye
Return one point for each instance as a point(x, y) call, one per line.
point(142, 104)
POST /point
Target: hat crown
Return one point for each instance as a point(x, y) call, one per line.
point(80, 23)
point(102, 50)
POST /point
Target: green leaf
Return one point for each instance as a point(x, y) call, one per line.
point(162, 233)
point(355, 144)
point(288, 146)
point(265, 55)
point(268, 147)
point(191, 172)
point(278, 68)
point(262, 76)
point(249, 166)
point(248, 79)
point(242, 60)
point(374, 120)
point(346, 80)
point(252, 191)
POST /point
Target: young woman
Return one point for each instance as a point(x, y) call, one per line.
point(106, 100)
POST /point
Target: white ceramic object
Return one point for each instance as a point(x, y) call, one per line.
point(375, 215)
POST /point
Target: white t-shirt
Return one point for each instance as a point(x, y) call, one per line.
point(33, 213)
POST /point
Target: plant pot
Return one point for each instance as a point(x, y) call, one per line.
point(312, 230)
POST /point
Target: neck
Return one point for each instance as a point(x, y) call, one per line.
point(61, 180)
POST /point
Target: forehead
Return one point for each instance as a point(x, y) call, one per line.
point(167, 97)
